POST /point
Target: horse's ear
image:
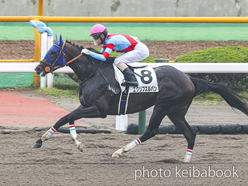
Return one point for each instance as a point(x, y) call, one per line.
point(56, 38)
point(60, 40)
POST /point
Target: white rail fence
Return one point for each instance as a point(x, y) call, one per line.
point(184, 67)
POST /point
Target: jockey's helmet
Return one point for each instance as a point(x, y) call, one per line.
point(97, 30)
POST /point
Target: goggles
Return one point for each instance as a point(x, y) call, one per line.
point(96, 37)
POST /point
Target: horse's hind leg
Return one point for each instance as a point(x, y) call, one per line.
point(178, 119)
point(156, 118)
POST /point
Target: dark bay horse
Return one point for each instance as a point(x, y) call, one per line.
point(100, 94)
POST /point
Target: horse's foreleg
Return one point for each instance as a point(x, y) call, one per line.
point(151, 131)
point(73, 133)
point(81, 112)
point(62, 121)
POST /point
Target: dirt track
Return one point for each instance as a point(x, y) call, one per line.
point(221, 159)
point(158, 49)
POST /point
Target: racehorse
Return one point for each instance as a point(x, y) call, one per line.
point(100, 92)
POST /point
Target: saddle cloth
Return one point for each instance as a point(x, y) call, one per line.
point(146, 78)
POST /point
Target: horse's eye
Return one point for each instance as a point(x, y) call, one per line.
point(52, 54)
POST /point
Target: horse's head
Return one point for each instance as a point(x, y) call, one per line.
point(54, 58)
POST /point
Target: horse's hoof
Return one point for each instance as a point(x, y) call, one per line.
point(38, 144)
point(187, 158)
point(80, 147)
point(116, 155)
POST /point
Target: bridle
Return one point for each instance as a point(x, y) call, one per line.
point(50, 67)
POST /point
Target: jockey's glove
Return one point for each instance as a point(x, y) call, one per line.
point(85, 51)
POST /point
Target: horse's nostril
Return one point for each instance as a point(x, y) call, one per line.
point(37, 70)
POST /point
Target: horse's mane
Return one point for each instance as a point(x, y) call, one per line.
point(79, 47)
point(110, 60)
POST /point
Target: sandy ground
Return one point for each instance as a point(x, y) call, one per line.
point(217, 160)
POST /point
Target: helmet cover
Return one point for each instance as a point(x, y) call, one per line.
point(98, 29)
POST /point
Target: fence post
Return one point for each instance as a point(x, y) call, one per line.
point(40, 8)
point(49, 75)
point(43, 51)
point(142, 122)
point(36, 54)
point(46, 43)
point(121, 122)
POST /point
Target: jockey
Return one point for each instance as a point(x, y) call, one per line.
point(133, 49)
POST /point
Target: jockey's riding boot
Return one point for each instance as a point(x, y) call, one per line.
point(130, 78)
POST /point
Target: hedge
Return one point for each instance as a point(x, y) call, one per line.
point(229, 54)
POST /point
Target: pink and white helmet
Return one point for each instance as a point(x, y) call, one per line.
point(98, 29)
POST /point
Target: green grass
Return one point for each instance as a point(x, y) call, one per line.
point(144, 31)
point(58, 92)
point(213, 99)
point(208, 99)
point(63, 87)
point(211, 96)
point(206, 102)
point(63, 81)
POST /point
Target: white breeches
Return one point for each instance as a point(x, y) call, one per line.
point(139, 53)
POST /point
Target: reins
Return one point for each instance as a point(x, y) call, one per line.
point(97, 68)
point(74, 58)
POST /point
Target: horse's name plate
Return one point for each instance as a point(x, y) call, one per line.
point(147, 81)
point(145, 76)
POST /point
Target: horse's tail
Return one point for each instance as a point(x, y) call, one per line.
point(232, 98)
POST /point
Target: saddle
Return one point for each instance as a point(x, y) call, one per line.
point(136, 67)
